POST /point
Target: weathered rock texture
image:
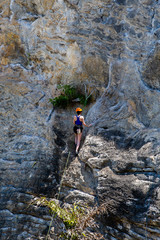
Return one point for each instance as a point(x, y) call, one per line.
point(113, 48)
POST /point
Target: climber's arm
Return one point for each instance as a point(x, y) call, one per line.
point(82, 120)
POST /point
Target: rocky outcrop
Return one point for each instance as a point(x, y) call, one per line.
point(111, 47)
point(119, 162)
point(121, 172)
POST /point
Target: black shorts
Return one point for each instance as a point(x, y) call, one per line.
point(76, 128)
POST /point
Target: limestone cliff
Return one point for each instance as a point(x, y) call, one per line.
point(111, 47)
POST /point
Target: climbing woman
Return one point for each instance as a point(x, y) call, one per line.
point(78, 122)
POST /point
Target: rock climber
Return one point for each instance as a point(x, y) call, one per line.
point(78, 122)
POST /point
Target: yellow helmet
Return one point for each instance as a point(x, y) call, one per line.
point(78, 109)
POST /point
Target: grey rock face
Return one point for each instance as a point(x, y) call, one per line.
point(112, 47)
point(121, 172)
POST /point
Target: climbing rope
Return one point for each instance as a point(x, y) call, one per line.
point(61, 182)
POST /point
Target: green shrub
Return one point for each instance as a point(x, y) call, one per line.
point(60, 101)
point(68, 96)
point(71, 217)
point(79, 221)
point(70, 92)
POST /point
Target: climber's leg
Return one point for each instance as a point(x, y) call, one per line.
point(79, 135)
point(76, 139)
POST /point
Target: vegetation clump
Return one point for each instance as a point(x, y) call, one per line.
point(69, 95)
point(69, 216)
point(78, 220)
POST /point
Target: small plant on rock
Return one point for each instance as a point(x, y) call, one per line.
point(77, 220)
point(69, 95)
